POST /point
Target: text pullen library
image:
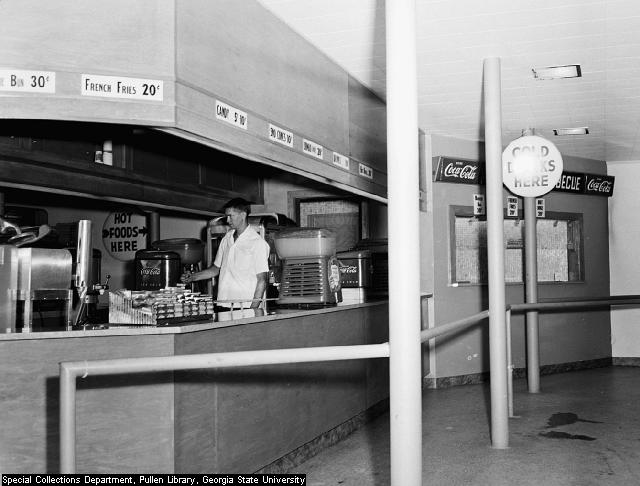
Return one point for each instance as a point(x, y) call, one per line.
point(147, 479)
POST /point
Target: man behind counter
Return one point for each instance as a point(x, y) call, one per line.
point(241, 261)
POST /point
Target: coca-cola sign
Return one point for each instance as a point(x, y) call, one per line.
point(458, 171)
point(462, 171)
point(599, 185)
point(150, 271)
point(590, 184)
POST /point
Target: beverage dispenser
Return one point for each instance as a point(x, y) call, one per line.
point(355, 275)
point(310, 271)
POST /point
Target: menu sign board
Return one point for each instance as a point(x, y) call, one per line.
point(121, 87)
point(29, 81)
point(459, 171)
point(280, 135)
point(512, 207)
point(314, 149)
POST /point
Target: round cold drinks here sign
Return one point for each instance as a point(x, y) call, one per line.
point(531, 166)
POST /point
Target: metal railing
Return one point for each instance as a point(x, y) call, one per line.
point(69, 371)
point(555, 305)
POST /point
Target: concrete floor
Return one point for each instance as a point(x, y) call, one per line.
point(582, 429)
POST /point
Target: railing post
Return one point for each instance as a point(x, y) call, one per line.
point(67, 420)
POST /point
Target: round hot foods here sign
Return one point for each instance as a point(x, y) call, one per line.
point(124, 233)
point(531, 166)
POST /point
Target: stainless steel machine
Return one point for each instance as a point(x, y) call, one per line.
point(8, 287)
point(30, 275)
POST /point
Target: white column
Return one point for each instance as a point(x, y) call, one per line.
point(404, 245)
point(495, 254)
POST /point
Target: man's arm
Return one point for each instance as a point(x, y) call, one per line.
point(261, 286)
point(207, 273)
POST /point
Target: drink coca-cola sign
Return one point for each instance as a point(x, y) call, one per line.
point(599, 185)
point(458, 171)
point(590, 184)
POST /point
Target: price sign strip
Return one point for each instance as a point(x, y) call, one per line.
point(232, 115)
point(121, 87)
point(27, 81)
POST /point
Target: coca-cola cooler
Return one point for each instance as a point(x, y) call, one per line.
point(157, 269)
point(355, 275)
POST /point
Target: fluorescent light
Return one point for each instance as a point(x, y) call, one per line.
point(571, 131)
point(557, 72)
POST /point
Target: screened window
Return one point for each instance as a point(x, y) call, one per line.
point(340, 215)
point(559, 250)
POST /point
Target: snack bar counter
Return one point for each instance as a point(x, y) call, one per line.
point(239, 419)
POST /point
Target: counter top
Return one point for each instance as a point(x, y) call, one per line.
point(222, 319)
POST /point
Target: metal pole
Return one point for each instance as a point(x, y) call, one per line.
point(67, 420)
point(531, 294)
point(495, 254)
point(510, 363)
point(153, 227)
point(226, 360)
point(433, 332)
point(404, 244)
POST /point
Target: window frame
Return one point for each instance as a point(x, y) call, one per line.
point(575, 225)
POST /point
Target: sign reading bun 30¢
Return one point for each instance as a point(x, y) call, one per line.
point(531, 166)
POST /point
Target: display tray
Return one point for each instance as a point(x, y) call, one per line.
point(171, 321)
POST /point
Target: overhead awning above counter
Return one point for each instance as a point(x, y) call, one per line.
point(226, 74)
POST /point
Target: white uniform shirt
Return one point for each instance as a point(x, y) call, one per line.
point(239, 264)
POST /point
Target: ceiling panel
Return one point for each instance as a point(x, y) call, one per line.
point(453, 38)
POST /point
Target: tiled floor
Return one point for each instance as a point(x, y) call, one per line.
point(582, 429)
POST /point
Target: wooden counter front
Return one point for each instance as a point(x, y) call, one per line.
point(230, 420)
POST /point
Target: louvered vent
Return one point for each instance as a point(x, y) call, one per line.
point(303, 279)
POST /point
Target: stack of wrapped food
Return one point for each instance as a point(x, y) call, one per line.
point(152, 307)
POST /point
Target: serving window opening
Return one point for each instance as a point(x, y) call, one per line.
point(559, 248)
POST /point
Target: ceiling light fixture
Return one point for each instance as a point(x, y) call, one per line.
point(571, 131)
point(557, 72)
